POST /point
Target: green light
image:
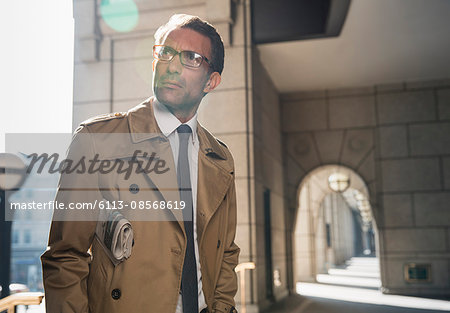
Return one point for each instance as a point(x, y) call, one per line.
point(120, 15)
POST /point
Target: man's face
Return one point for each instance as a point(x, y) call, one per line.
point(182, 88)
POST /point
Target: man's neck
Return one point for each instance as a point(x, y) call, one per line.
point(181, 115)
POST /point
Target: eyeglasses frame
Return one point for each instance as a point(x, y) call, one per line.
point(179, 54)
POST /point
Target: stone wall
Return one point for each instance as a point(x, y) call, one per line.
point(397, 138)
point(414, 147)
point(268, 167)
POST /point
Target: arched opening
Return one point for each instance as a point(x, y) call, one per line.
point(335, 234)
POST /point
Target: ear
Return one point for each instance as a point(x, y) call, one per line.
point(154, 65)
point(213, 82)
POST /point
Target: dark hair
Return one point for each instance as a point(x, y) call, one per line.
point(200, 26)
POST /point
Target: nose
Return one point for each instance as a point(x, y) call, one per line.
point(175, 65)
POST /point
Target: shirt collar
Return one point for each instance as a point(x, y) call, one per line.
point(168, 123)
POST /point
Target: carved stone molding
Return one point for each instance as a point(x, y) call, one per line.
point(220, 14)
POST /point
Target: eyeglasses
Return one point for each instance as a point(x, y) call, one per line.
point(189, 59)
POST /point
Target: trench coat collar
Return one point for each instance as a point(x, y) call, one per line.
point(142, 122)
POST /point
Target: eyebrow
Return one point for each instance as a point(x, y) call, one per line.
point(208, 59)
point(184, 50)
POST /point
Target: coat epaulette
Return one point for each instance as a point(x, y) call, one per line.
point(103, 117)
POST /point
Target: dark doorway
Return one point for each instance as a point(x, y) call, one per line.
point(268, 245)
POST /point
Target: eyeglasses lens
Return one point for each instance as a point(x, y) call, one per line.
point(190, 58)
point(187, 58)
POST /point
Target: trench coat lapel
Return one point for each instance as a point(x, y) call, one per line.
point(143, 127)
point(214, 175)
point(214, 179)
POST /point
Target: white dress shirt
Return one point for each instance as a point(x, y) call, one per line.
point(168, 124)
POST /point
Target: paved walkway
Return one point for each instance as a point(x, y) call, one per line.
point(302, 304)
point(353, 289)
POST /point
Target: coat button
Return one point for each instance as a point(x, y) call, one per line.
point(134, 189)
point(115, 294)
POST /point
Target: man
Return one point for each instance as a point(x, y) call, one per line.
point(175, 265)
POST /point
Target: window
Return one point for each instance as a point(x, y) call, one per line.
point(15, 237)
point(27, 236)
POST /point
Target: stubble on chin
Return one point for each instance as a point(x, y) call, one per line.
point(179, 108)
point(169, 98)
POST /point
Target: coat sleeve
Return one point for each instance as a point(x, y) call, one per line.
point(66, 261)
point(226, 286)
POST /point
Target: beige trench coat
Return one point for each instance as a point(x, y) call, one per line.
point(79, 277)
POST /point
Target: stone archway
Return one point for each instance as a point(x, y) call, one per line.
point(308, 149)
point(329, 224)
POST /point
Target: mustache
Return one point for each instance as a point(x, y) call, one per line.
point(172, 78)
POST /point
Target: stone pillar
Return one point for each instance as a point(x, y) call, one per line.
point(92, 68)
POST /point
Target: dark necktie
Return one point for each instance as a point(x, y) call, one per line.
point(189, 283)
